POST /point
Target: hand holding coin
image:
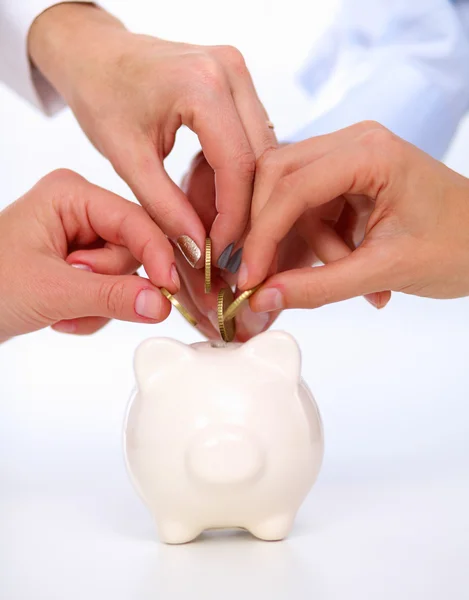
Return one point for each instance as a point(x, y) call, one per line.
point(227, 305)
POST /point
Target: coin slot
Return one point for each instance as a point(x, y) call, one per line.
point(216, 344)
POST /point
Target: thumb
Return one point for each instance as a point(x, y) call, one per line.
point(123, 297)
point(364, 271)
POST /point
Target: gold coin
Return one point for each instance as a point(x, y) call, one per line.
point(227, 329)
point(187, 315)
point(208, 265)
point(234, 307)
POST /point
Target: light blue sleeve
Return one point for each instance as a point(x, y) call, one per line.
point(402, 63)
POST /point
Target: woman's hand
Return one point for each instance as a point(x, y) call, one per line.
point(199, 186)
point(416, 235)
point(66, 222)
point(336, 225)
point(131, 93)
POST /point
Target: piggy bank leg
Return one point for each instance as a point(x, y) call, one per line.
point(272, 528)
point(176, 532)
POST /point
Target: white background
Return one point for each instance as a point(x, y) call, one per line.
point(388, 517)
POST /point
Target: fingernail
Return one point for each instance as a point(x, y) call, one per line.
point(242, 276)
point(213, 318)
point(269, 299)
point(65, 326)
point(235, 261)
point(81, 266)
point(189, 249)
point(175, 276)
point(225, 256)
point(148, 304)
point(253, 323)
point(373, 299)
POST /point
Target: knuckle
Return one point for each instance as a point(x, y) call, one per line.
point(146, 246)
point(62, 187)
point(378, 138)
point(288, 185)
point(113, 297)
point(246, 163)
point(162, 213)
point(316, 293)
point(206, 72)
point(232, 58)
point(269, 163)
point(60, 177)
point(369, 124)
point(383, 152)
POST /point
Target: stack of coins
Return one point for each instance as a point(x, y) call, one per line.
point(227, 306)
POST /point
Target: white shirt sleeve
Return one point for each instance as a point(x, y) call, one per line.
point(403, 63)
point(16, 70)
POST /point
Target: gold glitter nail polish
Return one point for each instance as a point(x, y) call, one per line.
point(189, 249)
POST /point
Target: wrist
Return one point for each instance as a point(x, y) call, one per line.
point(64, 38)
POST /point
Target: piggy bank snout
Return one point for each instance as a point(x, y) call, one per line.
point(225, 455)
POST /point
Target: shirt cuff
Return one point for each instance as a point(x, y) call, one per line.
point(16, 70)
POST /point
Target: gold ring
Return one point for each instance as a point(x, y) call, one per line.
point(270, 125)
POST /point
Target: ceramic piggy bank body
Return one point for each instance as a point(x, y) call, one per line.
point(222, 435)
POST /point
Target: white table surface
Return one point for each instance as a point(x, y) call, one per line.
point(388, 517)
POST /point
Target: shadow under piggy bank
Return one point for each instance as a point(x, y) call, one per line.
point(231, 565)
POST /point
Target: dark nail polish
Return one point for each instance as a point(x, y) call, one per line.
point(235, 261)
point(225, 256)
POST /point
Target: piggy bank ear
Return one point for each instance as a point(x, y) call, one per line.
point(156, 355)
point(278, 350)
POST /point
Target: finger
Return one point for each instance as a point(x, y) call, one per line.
point(354, 169)
point(126, 224)
point(83, 326)
point(109, 260)
point(253, 115)
point(301, 154)
point(185, 295)
point(378, 299)
point(81, 293)
point(294, 252)
point(249, 323)
point(330, 247)
point(365, 271)
point(291, 157)
point(229, 153)
point(139, 164)
point(270, 170)
point(199, 186)
point(194, 289)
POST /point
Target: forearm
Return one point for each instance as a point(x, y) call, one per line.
point(64, 37)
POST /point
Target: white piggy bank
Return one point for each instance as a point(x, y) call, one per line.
point(222, 435)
